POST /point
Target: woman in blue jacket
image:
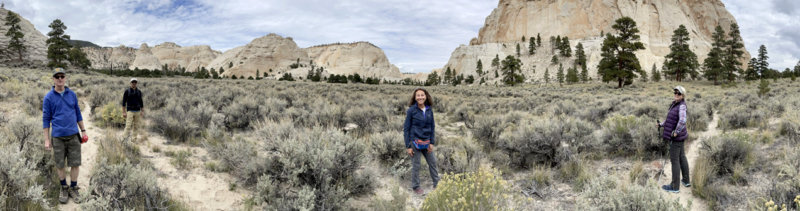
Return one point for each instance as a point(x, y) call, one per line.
point(419, 135)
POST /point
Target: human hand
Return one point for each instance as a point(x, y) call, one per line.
point(47, 144)
point(410, 152)
point(84, 138)
point(124, 114)
point(430, 148)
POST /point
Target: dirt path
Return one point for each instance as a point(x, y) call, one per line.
point(692, 152)
point(199, 188)
point(88, 153)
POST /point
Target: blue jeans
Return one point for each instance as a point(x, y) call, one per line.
point(430, 158)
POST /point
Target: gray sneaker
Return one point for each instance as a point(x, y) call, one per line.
point(63, 195)
point(73, 193)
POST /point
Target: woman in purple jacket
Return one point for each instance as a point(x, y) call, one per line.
point(675, 132)
point(419, 136)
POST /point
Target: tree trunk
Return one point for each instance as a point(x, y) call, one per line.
point(620, 80)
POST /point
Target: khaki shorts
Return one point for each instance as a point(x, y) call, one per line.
point(69, 148)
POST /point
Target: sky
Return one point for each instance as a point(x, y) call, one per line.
point(416, 35)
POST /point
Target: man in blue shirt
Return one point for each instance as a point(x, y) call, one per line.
point(62, 114)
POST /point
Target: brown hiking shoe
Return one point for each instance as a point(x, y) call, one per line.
point(419, 191)
point(73, 193)
point(63, 195)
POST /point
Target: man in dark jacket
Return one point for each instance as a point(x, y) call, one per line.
point(132, 109)
point(675, 131)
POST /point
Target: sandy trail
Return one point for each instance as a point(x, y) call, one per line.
point(88, 153)
point(692, 152)
point(199, 188)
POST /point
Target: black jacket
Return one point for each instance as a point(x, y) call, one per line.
point(132, 99)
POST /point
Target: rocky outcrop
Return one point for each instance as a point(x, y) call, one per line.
point(262, 54)
point(144, 59)
point(190, 57)
point(583, 21)
point(34, 41)
point(363, 58)
point(110, 58)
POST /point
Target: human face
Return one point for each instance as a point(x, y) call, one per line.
point(133, 84)
point(60, 80)
point(420, 97)
point(678, 95)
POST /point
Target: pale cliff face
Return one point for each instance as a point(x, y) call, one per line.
point(35, 41)
point(583, 21)
point(363, 58)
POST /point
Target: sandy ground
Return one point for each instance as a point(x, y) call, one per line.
point(199, 188)
point(692, 151)
point(88, 153)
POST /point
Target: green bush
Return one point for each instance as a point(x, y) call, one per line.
point(388, 147)
point(320, 169)
point(457, 155)
point(33, 100)
point(630, 135)
point(604, 193)
point(176, 123)
point(728, 150)
point(481, 190)
point(541, 140)
point(111, 116)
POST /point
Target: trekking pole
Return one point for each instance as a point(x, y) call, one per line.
point(663, 158)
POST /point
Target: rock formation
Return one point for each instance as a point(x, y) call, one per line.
point(584, 21)
point(34, 41)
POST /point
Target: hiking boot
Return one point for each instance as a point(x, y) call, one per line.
point(669, 188)
point(63, 195)
point(73, 193)
point(418, 191)
point(686, 184)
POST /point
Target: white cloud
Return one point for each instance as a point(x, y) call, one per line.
point(417, 35)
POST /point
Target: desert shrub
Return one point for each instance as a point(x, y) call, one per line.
point(33, 101)
point(396, 203)
point(176, 123)
point(180, 159)
point(488, 128)
point(604, 193)
point(388, 147)
point(539, 141)
point(575, 172)
point(18, 180)
point(241, 113)
point(790, 127)
point(728, 150)
point(314, 169)
point(457, 155)
point(234, 154)
point(628, 135)
point(481, 190)
point(126, 186)
point(539, 183)
point(101, 96)
point(368, 119)
point(111, 116)
point(24, 131)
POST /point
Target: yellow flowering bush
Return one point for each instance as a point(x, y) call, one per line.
point(481, 190)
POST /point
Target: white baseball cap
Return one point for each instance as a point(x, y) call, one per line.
point(134, 79)
point(680, 89)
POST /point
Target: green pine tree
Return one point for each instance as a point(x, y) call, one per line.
point(763, 88)
point(565, 48)
point(733, 54)
point(560, 74)
point(512, 68)
point(433, 79)
point(752, 70)
point(479, 68)
point(681, 60)
point(538, 40)
point(518, 54)
point(572, 75)
point(655, 74)
point(581, 55)
point(554, 60)
point(496, 60)
point(618, 59)
point(546, 75)
point(531, 46)
point(15, 35)
point(57, 46)
point(584, 74)
point(712, 65)
point(763, 63)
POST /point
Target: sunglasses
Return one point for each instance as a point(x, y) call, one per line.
point(59, 77)
point(678, 93)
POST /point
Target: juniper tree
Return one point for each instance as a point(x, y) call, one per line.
point(560, 74)
point(518, 54)
point(752, 70)
point(531, 46)
point(546, 75)
point(496, 60)
point(618, 59)
point(538, 40)
point(564, 48)
point(584, 74)
point(655, 74)
point(581, 55)
point(572, 75)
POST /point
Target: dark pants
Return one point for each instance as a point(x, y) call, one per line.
point(680, 166)
point(430, 158)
